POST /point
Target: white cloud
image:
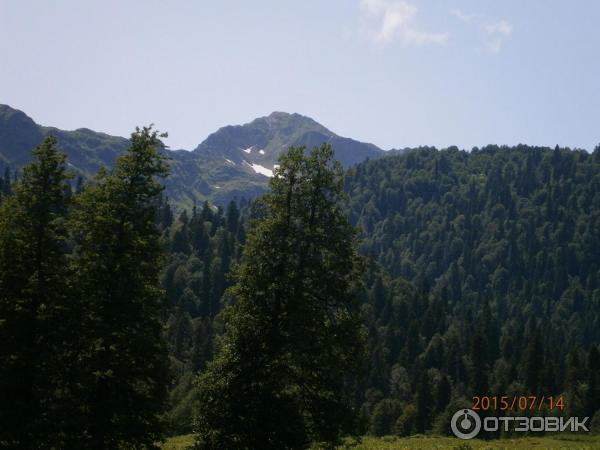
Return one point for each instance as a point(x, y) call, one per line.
point(462, 16)
point(495, 32)
point(502, 27)
point(389, 20)
point(498, 32)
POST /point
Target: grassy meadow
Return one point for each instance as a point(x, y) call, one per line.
point(559, 442)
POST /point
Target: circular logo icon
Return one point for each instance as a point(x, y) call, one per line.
point(465, 424)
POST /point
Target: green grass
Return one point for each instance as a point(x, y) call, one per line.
point(570, 442)
point(562, 442)
point(178, 442)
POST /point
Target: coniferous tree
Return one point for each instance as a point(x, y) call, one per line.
point(384, 417)
point(117, 261)
point(233, 216)
point(593, 381)
point(2, 194)
point(34, 314)
point(443, 393)
point(7, 183)
point(479, 373)
point(423, 403)
point(284, 375)
point(534, 361)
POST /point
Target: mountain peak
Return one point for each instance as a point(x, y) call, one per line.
point(271, 134)
point(19, 134)
point(280, 114)
point(277, 117)
point(280, 121)
point(8, 113)
point(261, 141)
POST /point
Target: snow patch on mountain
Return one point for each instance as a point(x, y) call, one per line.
point(260, 169)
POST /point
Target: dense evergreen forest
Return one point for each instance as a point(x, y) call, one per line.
point(482, 277)
point(479, 273)
point(201, 247)
point(501, 250)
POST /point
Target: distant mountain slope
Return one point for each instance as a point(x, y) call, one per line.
point(18, 135)
point(195, 178)
point(87, 150)
point(234, 162)
point(261, 141)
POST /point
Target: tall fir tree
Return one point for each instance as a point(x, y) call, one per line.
point(593, 381)
point(34, 313)
point(286, 369)
point(117, 262)
point(424, 402)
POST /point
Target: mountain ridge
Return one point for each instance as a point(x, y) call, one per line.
point(235, 161)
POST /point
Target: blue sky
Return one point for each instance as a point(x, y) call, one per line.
point(393, 72)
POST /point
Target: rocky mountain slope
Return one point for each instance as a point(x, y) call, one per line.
point(234, 162)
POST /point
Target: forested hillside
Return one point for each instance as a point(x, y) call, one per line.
point(502, 250)
point(202, 246)
point(480, 275)
point(482, 278)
